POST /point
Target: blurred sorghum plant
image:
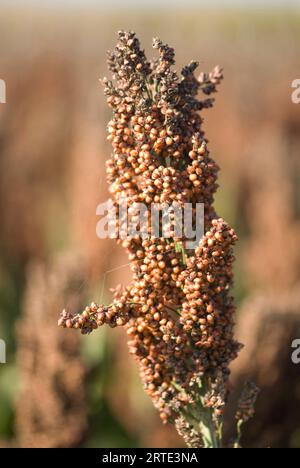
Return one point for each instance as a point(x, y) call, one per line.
point(51, 407)
point(268, 334)
point(177, 311)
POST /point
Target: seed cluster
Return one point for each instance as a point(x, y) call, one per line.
point(177, 311)
point(246, 402)
point(186, 431)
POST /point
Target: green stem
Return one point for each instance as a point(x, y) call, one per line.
point(180, 249)
point(212, 436)
point(200, 417)
point(239, 433)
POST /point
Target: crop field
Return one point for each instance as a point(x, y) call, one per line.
point(61, 389)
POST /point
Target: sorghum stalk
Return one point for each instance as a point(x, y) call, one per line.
point(177, 311)
point(51, 407)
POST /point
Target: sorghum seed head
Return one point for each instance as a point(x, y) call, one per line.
point(160, 155)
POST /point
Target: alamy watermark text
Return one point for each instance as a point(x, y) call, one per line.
point(2, 92)
point(296, 352)
point(137, 220)
point(2, 352)
point(296, 93)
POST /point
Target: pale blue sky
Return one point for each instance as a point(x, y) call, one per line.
point(148, 3)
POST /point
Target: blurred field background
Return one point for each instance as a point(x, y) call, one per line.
point(61, 390)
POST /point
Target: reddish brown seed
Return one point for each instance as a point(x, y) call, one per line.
point(69, 323)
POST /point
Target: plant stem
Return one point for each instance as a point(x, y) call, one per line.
point(212, 437)
point(200, 417)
